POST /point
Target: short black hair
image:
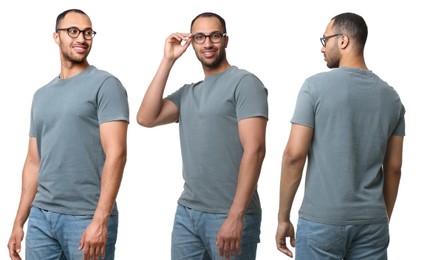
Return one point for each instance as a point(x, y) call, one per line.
point(210, 14)
point(61, 16)
point(352, 25)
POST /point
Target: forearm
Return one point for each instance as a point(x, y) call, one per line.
point(291, 175)
point(249, 172)
point(392, 171)
point(29, 189)
point(110, 183)
point(391, 188)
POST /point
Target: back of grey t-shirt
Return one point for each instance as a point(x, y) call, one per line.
point(353, 113)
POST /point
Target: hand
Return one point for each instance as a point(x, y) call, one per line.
point(174, 47)
point(285, 229)
point(93, 241)
point(228, 238)
point(14, 243)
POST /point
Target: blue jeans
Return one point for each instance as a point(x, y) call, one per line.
point(321, 241)
point(53, 236)
point(195, 232)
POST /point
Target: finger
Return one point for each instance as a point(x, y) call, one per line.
point(82, 241)
point(14, 250)
point(180, 36)
point(220, 245)
point(103, 251)
point(285, 250)
point(233, 248)
point(15, 256)
point(18, 247)
point(227, 250)
point(293, 241)
point(86, 252)
point(238, 247)
point(97, 252)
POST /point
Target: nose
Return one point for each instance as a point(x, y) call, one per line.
point(208, 41)
point(80, 37)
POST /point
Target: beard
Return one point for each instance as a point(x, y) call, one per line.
point(213, 63)
point(72, 57)
point(333, 64)
point(333, 59)
point(77, 59)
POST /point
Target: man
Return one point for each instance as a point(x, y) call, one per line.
point(76, 155)
point(222, 122)
point(350, 126)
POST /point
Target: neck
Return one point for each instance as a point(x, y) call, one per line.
point(70, 69)
point(357, 63)
point(209, 71)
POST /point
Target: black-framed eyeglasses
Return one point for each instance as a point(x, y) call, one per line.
point(74, 32)
point(324, 38)
point(215, 37)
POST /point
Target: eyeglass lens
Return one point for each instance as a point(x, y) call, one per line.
point(74, 32)
point(215, 37)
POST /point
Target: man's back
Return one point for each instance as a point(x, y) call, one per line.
point(353, 113)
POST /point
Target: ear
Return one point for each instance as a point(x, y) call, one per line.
point(56, 37)
point(227, 41)
point(344, 41)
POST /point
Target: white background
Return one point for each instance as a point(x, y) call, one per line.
point(276, 40)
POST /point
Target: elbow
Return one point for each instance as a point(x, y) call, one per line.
point(121, 157)
point(392, 172)
point(145, 122)
point(258, 153)
point(294, 159)
point(261, 153)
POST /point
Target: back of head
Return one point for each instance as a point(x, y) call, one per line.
point(210, 14)
point(352, 25)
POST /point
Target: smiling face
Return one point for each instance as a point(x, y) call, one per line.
point(211, 55)
point(73, 50)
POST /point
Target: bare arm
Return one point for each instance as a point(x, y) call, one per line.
point(392, 171)
point(294, 158)
point(29, 189)
point(252, 138)
point(113, 139)
point(155, 110)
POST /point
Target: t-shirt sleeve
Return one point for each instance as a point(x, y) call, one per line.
point(400, 128)
point(251, 98)
point(32, 129)
point(176, 97)
point(112, 101)
point(304, 113)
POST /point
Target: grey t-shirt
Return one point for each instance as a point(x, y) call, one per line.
point(209, 136)
point(353, 113)
point(65, 120)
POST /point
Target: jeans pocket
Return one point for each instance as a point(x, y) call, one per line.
point(325, 237)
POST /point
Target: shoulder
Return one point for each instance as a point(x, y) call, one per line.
point(104, 79)
point(100, 74)
point(244, 78)
point(241, 73)
point(324, 79)
point(325, 75)
point(50, 84)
